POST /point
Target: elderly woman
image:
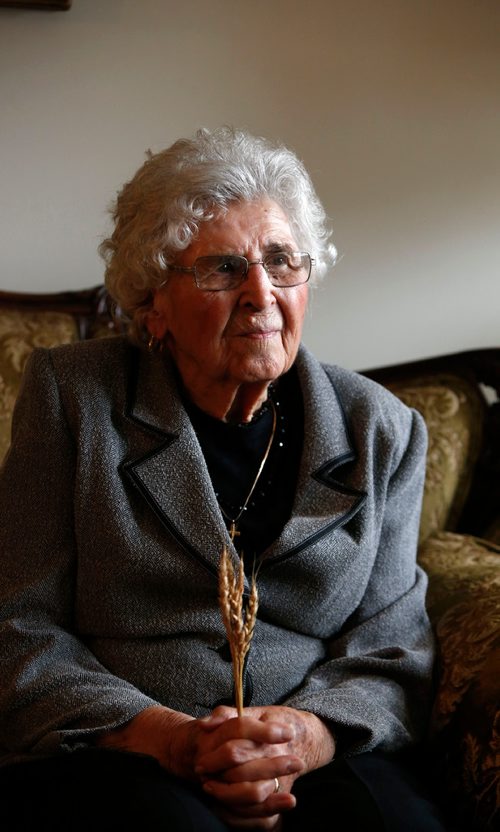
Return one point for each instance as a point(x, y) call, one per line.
point(135, 461)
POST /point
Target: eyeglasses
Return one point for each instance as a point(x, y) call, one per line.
point(221, 272)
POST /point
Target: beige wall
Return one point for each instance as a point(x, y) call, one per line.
point(394, 106)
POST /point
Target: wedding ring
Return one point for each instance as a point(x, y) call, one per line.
point(276, 785)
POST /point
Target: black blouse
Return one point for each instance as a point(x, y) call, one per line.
point(233, 454)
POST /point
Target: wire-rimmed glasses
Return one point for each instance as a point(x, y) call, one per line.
point(221, 272)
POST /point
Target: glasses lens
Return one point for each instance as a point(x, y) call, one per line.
point(219, 272)
point(288, 268)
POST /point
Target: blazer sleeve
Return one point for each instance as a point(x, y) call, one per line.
point(49, 678)
point(374, 688)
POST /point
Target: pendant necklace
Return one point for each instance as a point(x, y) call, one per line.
point(233, 521)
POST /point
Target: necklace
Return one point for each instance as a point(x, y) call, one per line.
point(233, 521)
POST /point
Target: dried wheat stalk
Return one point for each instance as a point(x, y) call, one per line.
point(239, 621)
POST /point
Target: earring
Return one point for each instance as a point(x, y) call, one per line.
point(154, 345)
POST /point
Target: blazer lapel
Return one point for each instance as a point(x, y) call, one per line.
point(168, 467)
point(324, 499)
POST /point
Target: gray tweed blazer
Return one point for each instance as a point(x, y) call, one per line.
point(110, 538)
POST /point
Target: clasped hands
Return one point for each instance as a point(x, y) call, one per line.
point(236, 760)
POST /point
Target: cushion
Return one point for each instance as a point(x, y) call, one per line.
point(454, 412)
point(20, 332)
point(464, 606)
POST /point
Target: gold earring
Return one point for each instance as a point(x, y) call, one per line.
point(155, 345)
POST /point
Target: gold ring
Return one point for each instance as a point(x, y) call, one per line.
point(276, 785)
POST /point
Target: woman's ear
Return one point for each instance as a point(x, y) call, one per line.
point(155, 320)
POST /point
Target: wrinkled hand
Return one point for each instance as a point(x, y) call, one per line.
point(170, 736)
point(236, 759)
point(248, 753)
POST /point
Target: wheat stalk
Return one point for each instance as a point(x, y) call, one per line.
point(239, 621)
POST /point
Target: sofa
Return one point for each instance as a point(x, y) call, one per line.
point(459, 545)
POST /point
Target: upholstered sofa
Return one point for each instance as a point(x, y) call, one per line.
point(459, 543)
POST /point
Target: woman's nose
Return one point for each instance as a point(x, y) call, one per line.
point(257, 290)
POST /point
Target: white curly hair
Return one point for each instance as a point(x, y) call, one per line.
point(158, 212)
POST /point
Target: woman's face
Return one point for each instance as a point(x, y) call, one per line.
point(243, 335)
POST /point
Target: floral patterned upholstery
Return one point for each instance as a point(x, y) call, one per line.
point(463, 602)
point(20, 332)
point(464, 605)
point(453, 411)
